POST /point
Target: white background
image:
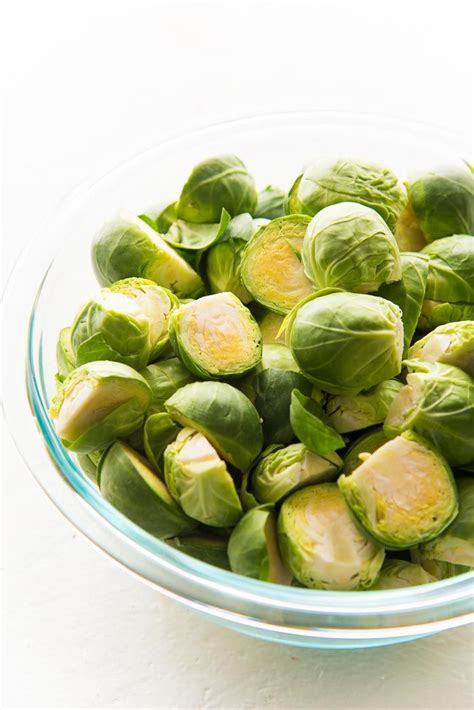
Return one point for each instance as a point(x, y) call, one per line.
point(87, 85)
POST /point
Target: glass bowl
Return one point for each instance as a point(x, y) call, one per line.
point(54, 276)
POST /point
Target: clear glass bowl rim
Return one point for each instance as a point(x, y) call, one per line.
point(87, 502)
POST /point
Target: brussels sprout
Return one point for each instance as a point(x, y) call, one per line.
point(407, 231)
point(277, 356)
point(349, 246)
point(160, 218)
point(127, 482)
point(223, 264)
point(98, 403)
point(272, 397)
point(127, 322)
point(65, 358)
point(89, 463)
point(225, 416)
point(188, 236)
point(366, 444)
point(443, 202)
point(243, 227)
point(270, 326)
point(438, 403)
point(199, 481)
point(451, 269)
point(292, 202)
point(205, 547)
point(326, 183)
point(127, 246)
point(216, 336)
point(218, 183)
point(438, 569)
point(321, 544)
point(271, 267)
point(350, 413)
point(402, 494)
point(396, 574)
point(165, 378)
point(247, 498)
point(409, 292)
point(456, 544)
point(347, 342)
point(434, 314)
point(253, 547)
point(308, 423)
point(283, 471)
point(271, 203)
point(451, 344)
point(159, 431)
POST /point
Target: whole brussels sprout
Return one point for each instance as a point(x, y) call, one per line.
point(367, 443)
point(199, 481)
point(271, 268)
point(346, 342)
point(271, 203)
point(451, 269)
point(98, 403)
point(225, 416)
point(350, 413)
point(349, 246)
point(253, 547)
point(270, 325)
point(203, 546)
point(127, 322)
point(127, 246)
point(165, 378)
point(443, 202)
point(216, 336)
point(438, 403)
point(281, 472)
point(456, 543)
point(451, 344)
point(321, 544)
point(403, 493)
point(65, 358)
point(409, 292)
point(326, 183)
point(126, 481)
point(214, 184)
point(396, 574)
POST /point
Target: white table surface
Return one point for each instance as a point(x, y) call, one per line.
point(88, 84)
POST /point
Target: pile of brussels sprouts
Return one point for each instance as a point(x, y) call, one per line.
point(281, 384)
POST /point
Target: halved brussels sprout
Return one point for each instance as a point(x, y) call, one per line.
point(127, 246)
point(434, 314)
point(271, 267)
point(225, 416)
point(450, 269)
point(281, 472)
point(443, 202)
point(159, 431)
point(160, 218)
point(396, 574)
point(409, 292)
point(205, 547)
point(438, 569)
point(350, 413)
point(253, 547)
point(438, 403)
point(326, 183)
point(165, 378)
point(456, 544)
point(366, 444)
point(349, 246)
point(347, 342)
point(270, 325)
point(65, 358)
point(451, 344)
point(127, 322)
point(321, 544)
point(216, 336)
point(98, 403)
point(129, 484)
point(214, 184)
point(89, 463)
point(271, 203)
point(199, 481)
point(223, 263)
point(407, 231)
point(310, 426)
point(402, 494)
